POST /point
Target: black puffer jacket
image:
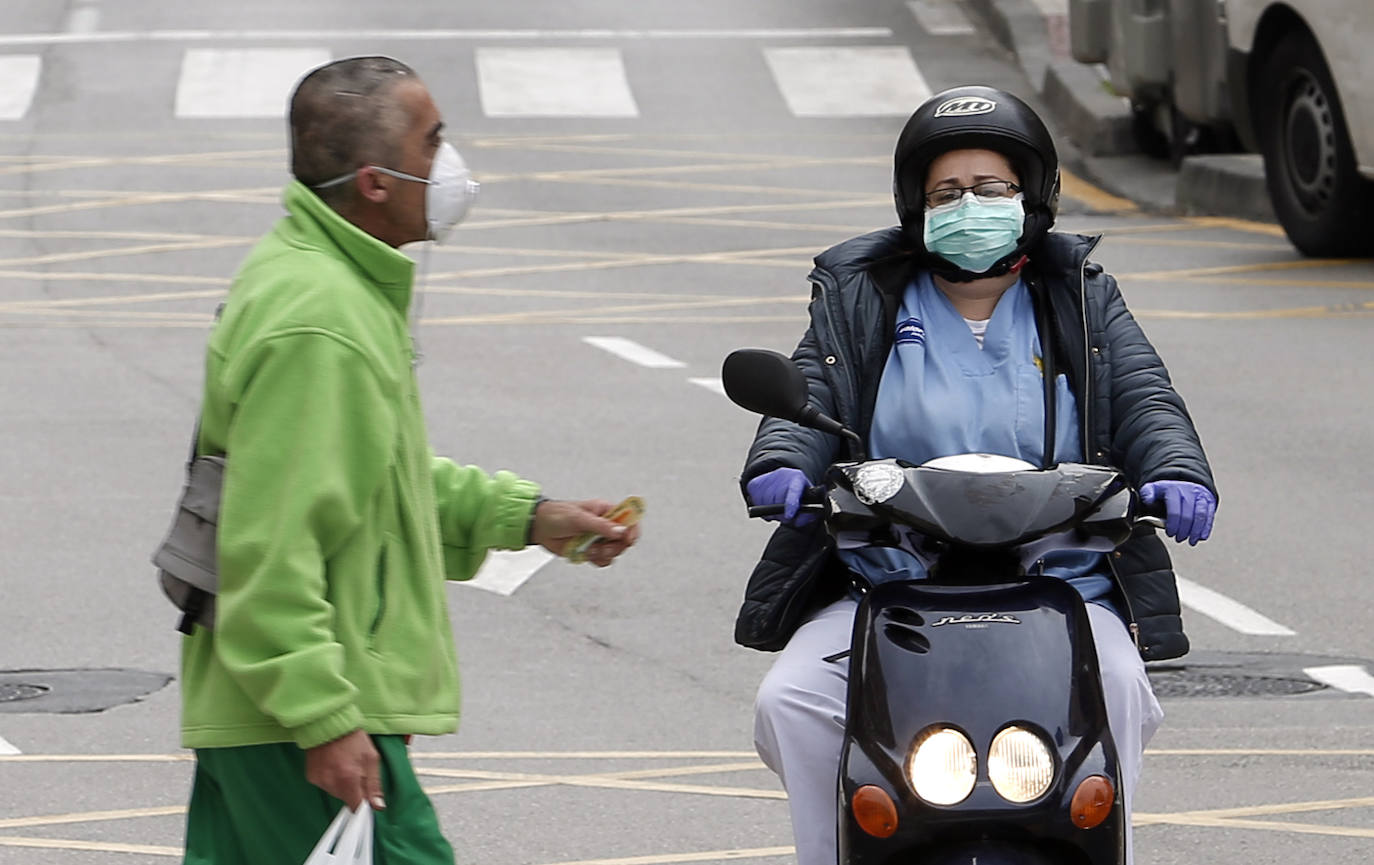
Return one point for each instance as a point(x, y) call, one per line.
point(1131, 419)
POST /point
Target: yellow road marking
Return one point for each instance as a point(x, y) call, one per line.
point(1277, 826)
point(760, 162)
point(482, 786)
point(670, 858)
point(1260, 752)
point(1219, 270)
point(581, 755)
point(1277, 808)
point(650, 215)
point(845, 230)
point(1358, 285)
point(669, 153)
point(700, 186)
point(59, 163)
point(186, 757)
point(1075, 187)
point(116, 315)
point(145, 249)
point(743, 256)
point(609, 780)
point(91, 817)
point(1191, 243)
point(142, 199)
point(1339, 310)
point(49, 233)
point(93, 846)
point(539, 315)
point(1246, 225)
point(120, 298)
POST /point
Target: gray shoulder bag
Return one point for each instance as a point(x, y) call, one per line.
point(186, 560)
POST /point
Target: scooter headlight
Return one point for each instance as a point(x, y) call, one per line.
point(943, 766)
point(1020, 765)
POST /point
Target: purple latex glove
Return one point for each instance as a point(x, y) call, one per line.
point(1188, 507)
point(781, 487)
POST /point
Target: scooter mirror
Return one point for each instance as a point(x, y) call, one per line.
point(768, 383)
point(765, 382)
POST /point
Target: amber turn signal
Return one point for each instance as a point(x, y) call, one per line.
point(1092, 802)
point(874, 811)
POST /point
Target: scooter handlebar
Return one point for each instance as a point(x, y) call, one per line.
point(1152, 514)
point(812, 501)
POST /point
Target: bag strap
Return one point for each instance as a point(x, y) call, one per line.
point(195, 433)
point(195, 601)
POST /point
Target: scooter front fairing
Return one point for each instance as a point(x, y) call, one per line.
point(977, 660)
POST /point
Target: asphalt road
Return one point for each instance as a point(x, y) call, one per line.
point(675, 203)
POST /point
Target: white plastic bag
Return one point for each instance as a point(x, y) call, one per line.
point(347, 841)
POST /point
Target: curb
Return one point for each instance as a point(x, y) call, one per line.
point(1099, 125)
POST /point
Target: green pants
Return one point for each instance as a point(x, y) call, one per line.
point(253, 806)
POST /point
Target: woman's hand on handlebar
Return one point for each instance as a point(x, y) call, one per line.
point(781, 487)
point(1189, 508)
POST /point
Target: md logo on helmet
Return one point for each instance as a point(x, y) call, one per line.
point(966, 107)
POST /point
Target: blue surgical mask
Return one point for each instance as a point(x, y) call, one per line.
point(973, 234)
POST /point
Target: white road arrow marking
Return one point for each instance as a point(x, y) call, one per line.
point(712, 384)
point(7, 749)
point(20, 74)
point(633, 352)
point(1351, 678)
point(1232, 614)
point(503, 572)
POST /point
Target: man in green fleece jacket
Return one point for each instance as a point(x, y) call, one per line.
point(338, 525)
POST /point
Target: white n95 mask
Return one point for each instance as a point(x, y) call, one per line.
point(450, 193)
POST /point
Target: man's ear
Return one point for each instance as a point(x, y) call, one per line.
point(372, 186)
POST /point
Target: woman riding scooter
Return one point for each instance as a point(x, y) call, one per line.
point(928, 340)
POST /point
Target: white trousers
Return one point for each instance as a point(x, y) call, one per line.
point(800, 710)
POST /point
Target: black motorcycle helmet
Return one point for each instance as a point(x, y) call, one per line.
point(986, 119)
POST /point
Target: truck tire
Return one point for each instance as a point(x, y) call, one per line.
point(1319, 196)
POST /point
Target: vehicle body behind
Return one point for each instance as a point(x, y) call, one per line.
point(1285, 78)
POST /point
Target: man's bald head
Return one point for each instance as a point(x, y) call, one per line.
point(343, 115)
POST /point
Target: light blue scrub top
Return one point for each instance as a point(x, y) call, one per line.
point(941, 394)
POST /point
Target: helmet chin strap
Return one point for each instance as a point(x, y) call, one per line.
point(943, 269)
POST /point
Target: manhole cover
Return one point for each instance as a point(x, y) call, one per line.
point(10, 692)
point(67, 691)
point(1202, 683)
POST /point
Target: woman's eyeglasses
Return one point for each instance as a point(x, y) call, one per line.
point(988, 190)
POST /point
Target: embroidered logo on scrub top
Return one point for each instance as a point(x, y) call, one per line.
point(910, 332)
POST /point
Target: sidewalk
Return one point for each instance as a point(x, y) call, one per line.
point(1098, 123)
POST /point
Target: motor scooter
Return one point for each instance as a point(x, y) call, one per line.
point(976, 731)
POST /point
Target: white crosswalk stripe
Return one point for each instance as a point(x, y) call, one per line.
point(18, 82)
point(242, 83)
point(534, 82)
point(848, 82)
point(554, 82)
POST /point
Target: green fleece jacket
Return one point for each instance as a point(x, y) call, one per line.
point(337, 523)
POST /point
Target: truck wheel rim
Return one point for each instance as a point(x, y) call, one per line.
point(1310, 143)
